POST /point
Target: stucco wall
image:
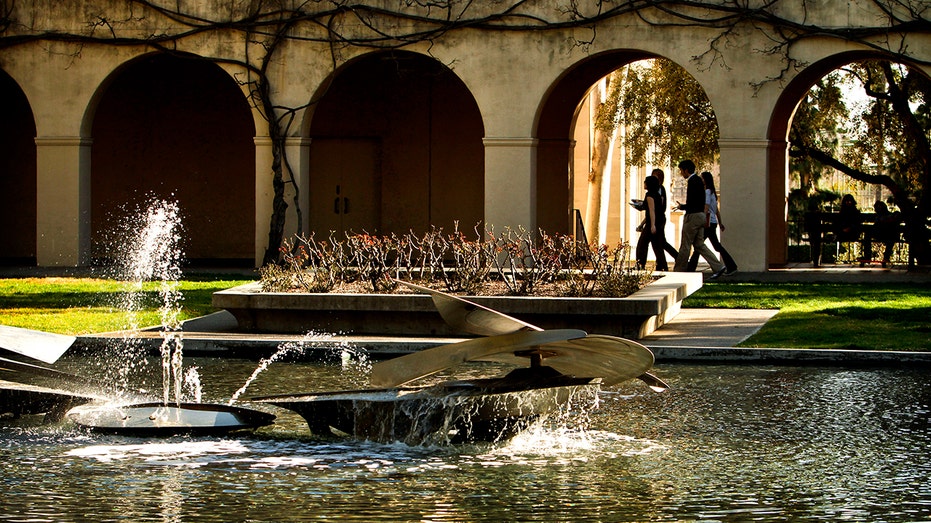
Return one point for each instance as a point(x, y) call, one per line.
point(524, 83)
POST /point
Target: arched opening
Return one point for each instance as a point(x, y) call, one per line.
point(826, 110)
point(177, 128)
point(569, 131)
point(396, 146)
point(17, 176)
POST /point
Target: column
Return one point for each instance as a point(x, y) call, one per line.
point(752, 203)
point(510, 183)
point(63, 198)
point(297, 150)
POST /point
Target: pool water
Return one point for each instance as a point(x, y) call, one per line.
point(726, 443)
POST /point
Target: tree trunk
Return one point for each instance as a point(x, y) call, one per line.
point(599, 176)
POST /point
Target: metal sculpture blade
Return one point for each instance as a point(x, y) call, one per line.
point(157, 419)
point(607, 357)
point(466, 316)
point(43, 346)
point(610, 358)
point(407, 368)
point(37, 375)
point(653, 382)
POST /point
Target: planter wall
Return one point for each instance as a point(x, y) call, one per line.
point(633, 317)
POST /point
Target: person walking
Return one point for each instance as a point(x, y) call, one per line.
point(646, 239)
point(714, 221)
point(693, 226)
point(656, 221)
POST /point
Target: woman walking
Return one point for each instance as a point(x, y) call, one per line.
point(655, 221)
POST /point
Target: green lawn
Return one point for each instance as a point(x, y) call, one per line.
point(830, 316)
point(88, 305)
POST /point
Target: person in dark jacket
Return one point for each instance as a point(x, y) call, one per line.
point(711, 229)
point(655, 223)
point(645, 240)
point(693, 226)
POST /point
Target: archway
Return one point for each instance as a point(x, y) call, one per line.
point(177, 127)
point(784, 228)
point(567, 123)
point(17, 176)
point(396, 146)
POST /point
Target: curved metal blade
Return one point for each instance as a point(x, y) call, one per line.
point(610, 358)
point(397, 371)
point(655, 383)
point(470, 317)
point(43, 346)
point(36, 375)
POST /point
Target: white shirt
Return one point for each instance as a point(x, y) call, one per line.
point(712, 202)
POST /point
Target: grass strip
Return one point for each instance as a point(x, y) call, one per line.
point(812, 315)
point(829, 316)
point(78, 306)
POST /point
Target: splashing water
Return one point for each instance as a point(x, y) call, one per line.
point(353, 360)
point(283, 350)
point(150, 251)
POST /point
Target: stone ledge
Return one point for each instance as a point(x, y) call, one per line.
point(634, 316)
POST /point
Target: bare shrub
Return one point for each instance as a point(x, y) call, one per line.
point(523, 262)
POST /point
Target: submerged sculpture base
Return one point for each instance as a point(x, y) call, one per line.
point(157, 419)
point(451, 412)
point(17, 399)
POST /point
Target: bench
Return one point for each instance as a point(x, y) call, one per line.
point(821, 228)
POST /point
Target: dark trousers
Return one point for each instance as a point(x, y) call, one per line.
point(643, 245)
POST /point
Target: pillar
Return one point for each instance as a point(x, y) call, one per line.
point(748, 214)
point(510, 183)
point(63, 194)
point(298, 152)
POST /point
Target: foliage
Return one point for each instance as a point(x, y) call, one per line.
point(515, 258)
point(886, 140)
point(668, 116)
point(817, 123)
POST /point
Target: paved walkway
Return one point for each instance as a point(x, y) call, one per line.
point(716, 328)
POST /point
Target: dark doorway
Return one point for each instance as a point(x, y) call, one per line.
point(17, 176)
point(177, 128)
point(397, 137)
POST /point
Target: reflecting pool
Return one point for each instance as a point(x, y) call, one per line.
point(726, 443)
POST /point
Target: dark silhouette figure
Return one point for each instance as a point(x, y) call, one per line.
point(645, 240)
point(655, 207)
point(885, 230)
point(849, 221)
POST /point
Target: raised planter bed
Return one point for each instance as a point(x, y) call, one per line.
point(634, 316)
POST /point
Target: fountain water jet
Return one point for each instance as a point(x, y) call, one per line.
point(152, 252)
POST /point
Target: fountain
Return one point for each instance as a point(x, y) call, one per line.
point(151, 253)
point(555, 367)
point(564, 364)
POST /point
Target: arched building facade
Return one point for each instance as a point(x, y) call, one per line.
point(470, 125)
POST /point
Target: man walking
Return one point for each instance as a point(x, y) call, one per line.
point(693, 227)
